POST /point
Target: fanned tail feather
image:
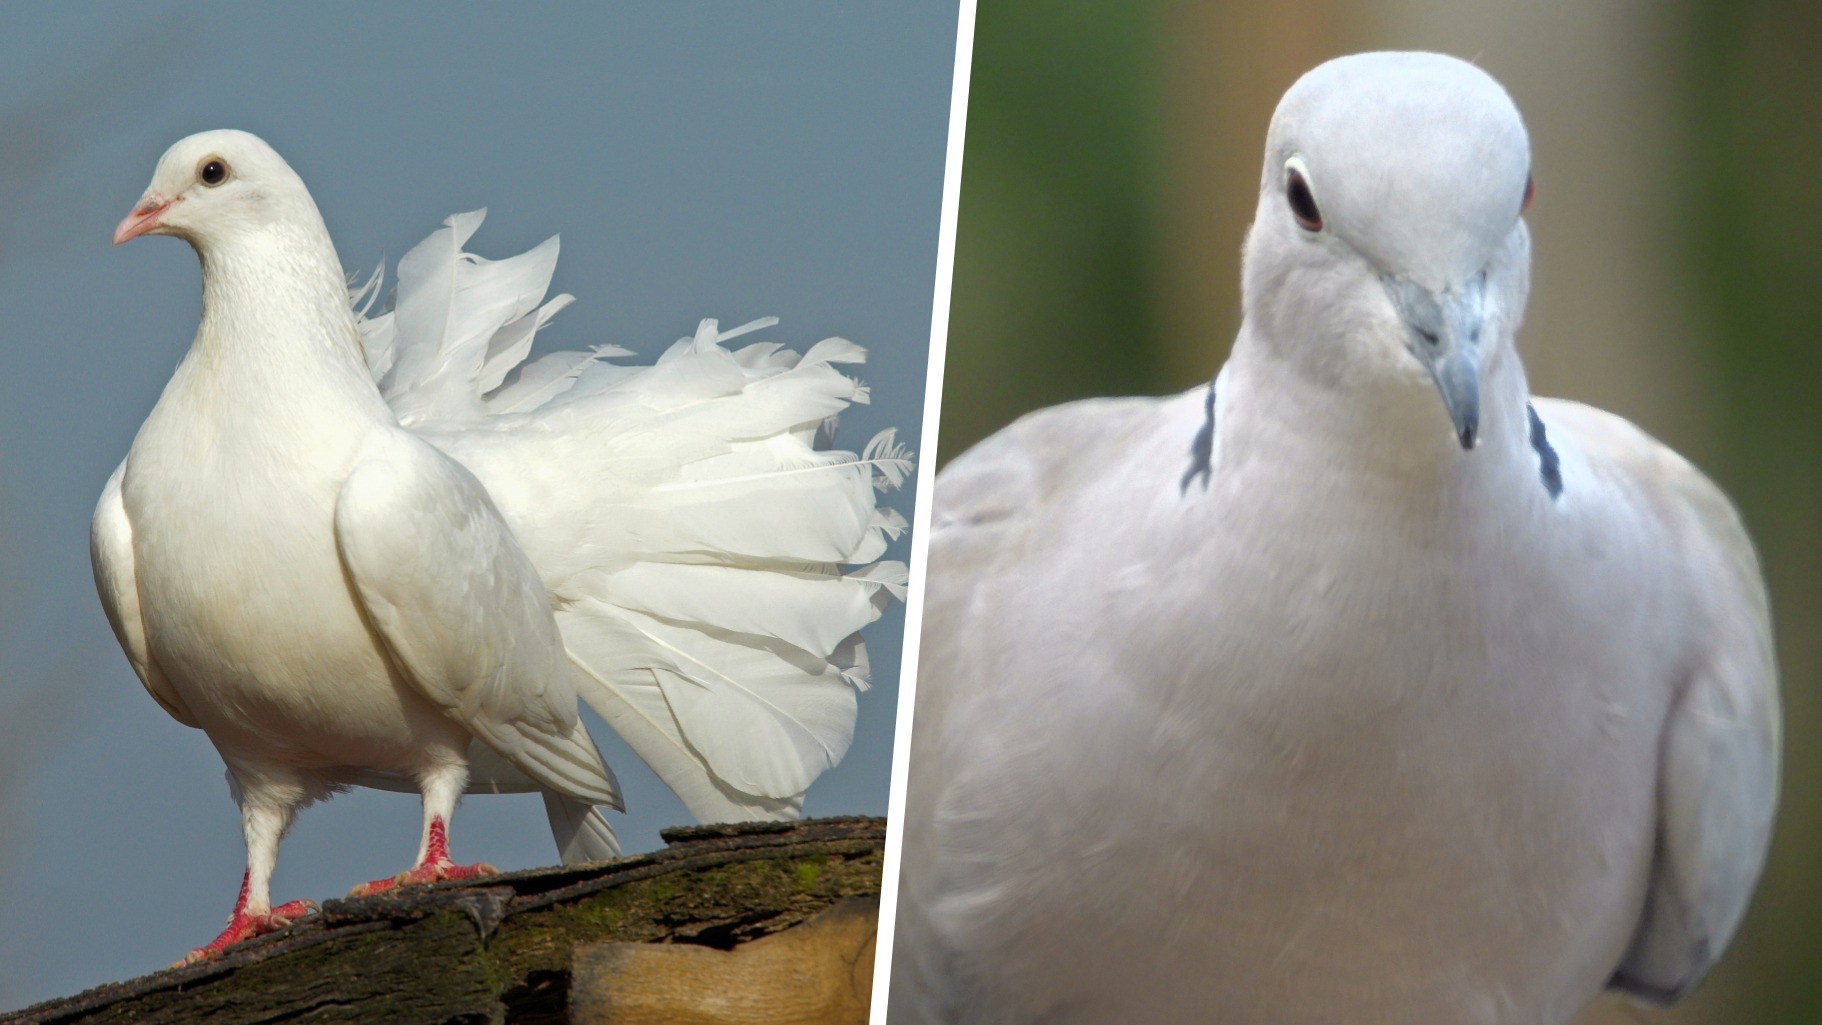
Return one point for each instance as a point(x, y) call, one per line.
point(581, 830)
point(690, 530)
point(891, 460)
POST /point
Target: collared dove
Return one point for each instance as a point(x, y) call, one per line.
point(385, 551)
point(1304, 697)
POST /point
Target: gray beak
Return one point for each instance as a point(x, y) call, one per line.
point(1445, 338)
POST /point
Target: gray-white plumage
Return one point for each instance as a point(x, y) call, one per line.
point(1322, 700)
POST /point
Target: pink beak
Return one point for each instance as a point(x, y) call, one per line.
point(143, 219)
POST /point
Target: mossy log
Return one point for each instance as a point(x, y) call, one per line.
point(499, 951)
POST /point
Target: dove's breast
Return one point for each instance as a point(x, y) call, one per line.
point(246, 606)
point(1305, 755)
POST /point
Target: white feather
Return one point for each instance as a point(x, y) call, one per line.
point(690, 533)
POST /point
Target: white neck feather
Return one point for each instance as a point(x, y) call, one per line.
point(276, 293)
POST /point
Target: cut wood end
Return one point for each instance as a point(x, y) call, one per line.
point(817, 973)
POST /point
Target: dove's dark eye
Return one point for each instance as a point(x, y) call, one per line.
point(1530, 190)
point(1297, 193)
point(214, 171)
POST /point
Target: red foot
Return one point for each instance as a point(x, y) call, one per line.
point(436, 867)
point(243, 926)
point(424, 874)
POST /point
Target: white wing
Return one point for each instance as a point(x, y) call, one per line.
point(463, 611)
point(111, 554)
point(1719, 777)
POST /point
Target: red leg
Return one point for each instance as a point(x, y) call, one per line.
point(242, 926)
point(436, 866)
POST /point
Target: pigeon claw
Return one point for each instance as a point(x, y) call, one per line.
point(244, 927)
point(424, 875)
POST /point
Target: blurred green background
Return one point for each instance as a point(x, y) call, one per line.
point(1112, 165)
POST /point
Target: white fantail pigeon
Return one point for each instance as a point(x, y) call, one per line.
point(387, 551)
point(1307, 698)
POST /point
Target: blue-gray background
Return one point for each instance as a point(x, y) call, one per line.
point(700, 160)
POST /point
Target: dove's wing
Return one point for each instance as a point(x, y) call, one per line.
point(996, 512)
point(1718, 781)
point(992, 505)
point(462, 611)
point(111, 554)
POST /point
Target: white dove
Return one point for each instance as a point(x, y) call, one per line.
point(384, 552)
point(1303, 698)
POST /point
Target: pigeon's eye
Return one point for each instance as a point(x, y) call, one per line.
point(1297, 193)
point(213, 171)
point(1530, 190)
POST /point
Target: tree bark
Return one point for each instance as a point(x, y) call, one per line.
point(499, 951)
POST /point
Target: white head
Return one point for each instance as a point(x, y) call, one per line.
point(1388, 239)
point(214, 185)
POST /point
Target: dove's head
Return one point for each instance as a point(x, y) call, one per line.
point(1388, 239)
point(213, 185)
